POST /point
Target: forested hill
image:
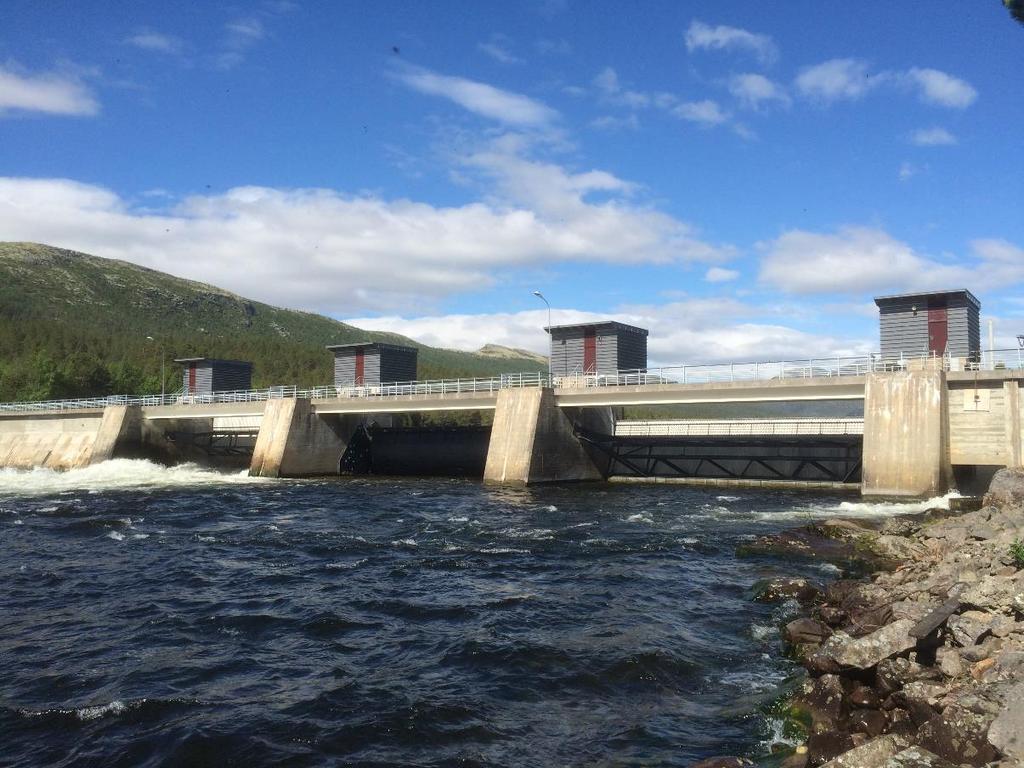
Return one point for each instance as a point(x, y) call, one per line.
point(73, 325)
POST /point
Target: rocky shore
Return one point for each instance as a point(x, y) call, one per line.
point(920, 664)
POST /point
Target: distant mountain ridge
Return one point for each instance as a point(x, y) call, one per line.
point(74, 324)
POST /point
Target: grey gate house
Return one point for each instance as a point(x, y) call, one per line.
point(369, 363)
point(944, 323)
point(204, 375)
point(597, 348)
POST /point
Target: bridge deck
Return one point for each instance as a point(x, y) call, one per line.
point(740, 428)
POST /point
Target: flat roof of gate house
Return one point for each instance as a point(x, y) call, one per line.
point(364, 344)
point(604, 324)
point(925, 294)
point(212, 360)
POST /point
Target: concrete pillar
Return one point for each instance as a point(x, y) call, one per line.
point(532, 441)
point(906, 434)
point(295, 442)
point(119, 433)
point(1014, 431)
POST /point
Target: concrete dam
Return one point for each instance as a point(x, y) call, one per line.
point(923, 425)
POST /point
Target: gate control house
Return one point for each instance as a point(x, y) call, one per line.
point(937, 322)
point(203, 375)
point(369, 363)
point(597, 348)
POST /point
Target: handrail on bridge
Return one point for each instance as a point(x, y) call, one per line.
point(681, 374)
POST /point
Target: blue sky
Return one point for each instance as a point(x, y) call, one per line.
point(739, 177)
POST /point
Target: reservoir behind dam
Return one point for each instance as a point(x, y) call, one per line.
point(170, 616)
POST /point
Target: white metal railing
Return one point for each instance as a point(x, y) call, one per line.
point(739, 427)
point(825, 367)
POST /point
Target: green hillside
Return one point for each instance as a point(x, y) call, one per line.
point(74, 325)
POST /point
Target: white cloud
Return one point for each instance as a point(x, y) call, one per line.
point(480, 98)
point(720, 275)
point(149, 40)
point(612, 123)
point(497, 51)
point(607, 83)
point(942, 89)
point(837, 79)
point(239, 36)
point(706, 112)
point(685, 332)
point(932, 137)
point(862, 259)
point(558, 47)
point(908, 170)
point(325, 250)
point(753, 90)
point(48, 92)
point(701, 36)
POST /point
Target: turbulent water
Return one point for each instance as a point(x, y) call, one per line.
point(153, 616)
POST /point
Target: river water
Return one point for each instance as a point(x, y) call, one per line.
point(153, 616)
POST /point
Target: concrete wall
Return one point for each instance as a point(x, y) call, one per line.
point(296, 442)
point(532, 441)
point(985, 423)
point(906, 434)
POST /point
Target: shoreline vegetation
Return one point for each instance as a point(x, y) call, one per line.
point(920, 663)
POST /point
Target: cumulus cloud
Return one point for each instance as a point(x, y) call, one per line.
point(932, 137)
point(480, 98)
point(850, 79)
point(149, 40)
point(862, 259)
point(497, 49)
point(325, 250)
point(608, 85)
point(706, 112)
point(754, 90)
point(701, 36)
point(720, 275)
point(684, 332)
point(47, 92)
point(837, 79)
point(239, 36)
point(937, 87)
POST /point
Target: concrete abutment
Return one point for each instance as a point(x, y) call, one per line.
point(295, 441)
point(533, 441)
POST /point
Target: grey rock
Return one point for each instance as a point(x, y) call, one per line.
point(995, 593)
point(866, 652)
point(723, 762)
point(949, 662)
point(1007, 730)
point(917, 757)
point(969, 627)
point(1006, 489)
point(873, 754)
point(806, 631)
point(959, 736)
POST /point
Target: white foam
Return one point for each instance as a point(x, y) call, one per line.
point(115, 536)
point(101, 710)
point(865, 509)
point(458, 519)
point(345, 566)
point(505, 551)
point(640, 517)
point(404, 543)
point(116, 474)
point(727, 498)
point(551, 508)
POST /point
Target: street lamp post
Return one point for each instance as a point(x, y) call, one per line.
point(540, 296)
point(163, 377)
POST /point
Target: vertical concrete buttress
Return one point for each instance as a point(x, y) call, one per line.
point(906, 434)
point(1014, 425)
point(294, 441)
point(532, 441)
point(119, 433)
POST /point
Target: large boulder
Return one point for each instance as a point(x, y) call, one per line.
point(918, 757)
point(781, 589)
point(1006, 489)
point(874, 754)
point(1007, 731)
point(844, 652)
point(806, 631)
point(959, 736)
point(995, 593)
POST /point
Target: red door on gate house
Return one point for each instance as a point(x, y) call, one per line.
point(938, 326)
point(589, 350)
point(360, 367)
point(192, 379)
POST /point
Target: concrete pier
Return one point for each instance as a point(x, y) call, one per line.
point(906, 434)
point(532, 441)
point(294, 441)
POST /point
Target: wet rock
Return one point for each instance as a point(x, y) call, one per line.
point(781, 589)
point(822, 747)
point(959, 736)
point(873, 754)
point(821, 700)
point(867, 651)
point(804, 630)
point(919, 690)
point(918, 757)
point(901, 723)
point(832, 615)
point(893, 674)
point(864, 697)
point(1006, 489)
point(723, 762)
point(1007, 730)
point(869, 721)
point(864, 621)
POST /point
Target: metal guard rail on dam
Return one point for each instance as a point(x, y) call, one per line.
point(789, 370)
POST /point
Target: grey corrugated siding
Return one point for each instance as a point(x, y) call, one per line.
point(616, 349)
point(218, 376)
point(383, 364)
point(904, 333)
